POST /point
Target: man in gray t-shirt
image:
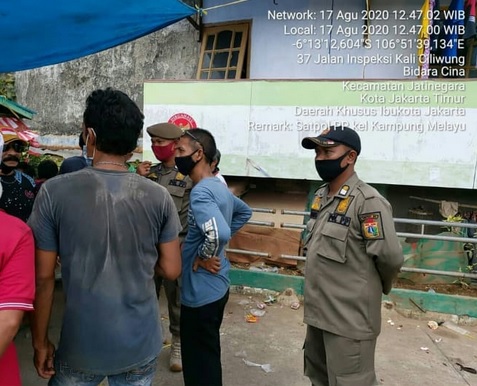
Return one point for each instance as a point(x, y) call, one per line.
point(107, 226)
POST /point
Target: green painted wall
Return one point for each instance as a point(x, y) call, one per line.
point(447, 304)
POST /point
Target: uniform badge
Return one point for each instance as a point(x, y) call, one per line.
point(179, 176)
point(324, 132)
point(344, 204)
point(372, 226)
point(339, 219)
point(315, 207)
point(316, 203)
point(179, 183)
point(344, 190)
point(152, 176)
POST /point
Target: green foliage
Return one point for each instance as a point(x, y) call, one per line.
point(34, 160)
point(457, 230)
point(7, 86)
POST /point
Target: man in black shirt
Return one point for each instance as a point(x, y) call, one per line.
point(18, 188)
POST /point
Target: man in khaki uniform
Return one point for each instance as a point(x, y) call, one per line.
point(353, 255)
point(164, 137)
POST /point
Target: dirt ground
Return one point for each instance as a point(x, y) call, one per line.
point(408, 352)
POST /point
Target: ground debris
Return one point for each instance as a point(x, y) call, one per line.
point(467, 369)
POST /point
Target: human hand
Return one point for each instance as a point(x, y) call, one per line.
point(212, 265)
point(144, 168)
point(43, 360)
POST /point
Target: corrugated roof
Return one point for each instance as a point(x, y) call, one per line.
point(10, 107)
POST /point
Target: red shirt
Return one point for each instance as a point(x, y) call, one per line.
point(17, 283)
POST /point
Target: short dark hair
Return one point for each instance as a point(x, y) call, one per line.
point(81, 141)
point(217, 159)
point(115, 118)
point(206, 139)
point(47, 169)
point(27, 169)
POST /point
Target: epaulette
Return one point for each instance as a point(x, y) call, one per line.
point(367, 190)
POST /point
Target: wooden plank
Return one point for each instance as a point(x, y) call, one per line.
point(274, 241)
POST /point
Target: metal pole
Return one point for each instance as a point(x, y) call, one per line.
point(291, 257)
point(264, 210)
point(295, 212)
point(262, 223)
point(290, 225)
point(251, 253)
point(406, 269)
point(438, 223)
point(437, 237)
point(403, 234)
point(441, 273)
point(400, 220)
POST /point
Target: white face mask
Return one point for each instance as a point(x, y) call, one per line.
point(89, 160)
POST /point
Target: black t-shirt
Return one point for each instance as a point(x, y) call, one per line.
point(72, 164)
point(18, 195)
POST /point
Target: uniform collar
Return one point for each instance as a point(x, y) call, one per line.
point(348, 186)
point(162, 169)
point(344, 190)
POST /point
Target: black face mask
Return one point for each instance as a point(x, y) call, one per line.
point(5, 169)
point(330, 169)
point(186, 164)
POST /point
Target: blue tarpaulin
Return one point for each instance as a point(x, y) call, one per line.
point(36, 33)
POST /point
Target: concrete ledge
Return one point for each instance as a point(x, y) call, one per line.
point(435, 302)
point(405, 299)
point(266, 280)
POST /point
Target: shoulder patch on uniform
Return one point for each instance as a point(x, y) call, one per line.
point(372, 226)
point(344, 204)
point(152, 176)
point(315, 207)
point(316, 203)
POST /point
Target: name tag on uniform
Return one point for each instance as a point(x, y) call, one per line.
point(339, 219)
point(179, 183)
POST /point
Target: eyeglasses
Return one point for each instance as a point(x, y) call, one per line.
point(187, 132)
point(17, 146)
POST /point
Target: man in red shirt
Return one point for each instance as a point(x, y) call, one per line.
point(17, 288)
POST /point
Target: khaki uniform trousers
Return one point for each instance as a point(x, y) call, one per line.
point(332, 360)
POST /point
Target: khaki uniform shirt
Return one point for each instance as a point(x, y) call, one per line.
point(353, 255)
point(178, 186)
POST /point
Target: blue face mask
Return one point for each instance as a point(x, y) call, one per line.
point(89, 160)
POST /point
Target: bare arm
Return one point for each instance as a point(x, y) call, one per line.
point(17, 288)
point(10, 321)
point(169, 264)
point(45, 285)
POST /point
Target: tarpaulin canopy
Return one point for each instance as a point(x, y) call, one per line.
point(9, 107)
point(36, 33)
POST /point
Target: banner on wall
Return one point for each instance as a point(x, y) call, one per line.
point(421, 133)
